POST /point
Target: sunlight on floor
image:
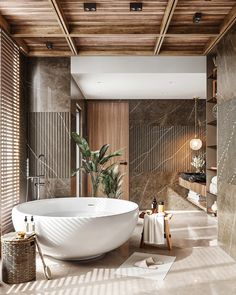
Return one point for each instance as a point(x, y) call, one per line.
point(200, 266)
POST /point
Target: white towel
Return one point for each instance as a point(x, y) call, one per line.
point(214, 180)
point(193, 195)
point(213, 188)
point(154, 229)
point(194, 198)
point(149, 262)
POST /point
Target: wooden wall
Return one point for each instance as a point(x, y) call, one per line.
point(108, 122)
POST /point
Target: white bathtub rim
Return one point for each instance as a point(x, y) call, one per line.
point(18, 207)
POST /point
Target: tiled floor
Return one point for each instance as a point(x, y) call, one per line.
point(201, 267)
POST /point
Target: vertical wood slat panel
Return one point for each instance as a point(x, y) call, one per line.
point(108, 122)
point(9, 129)
point(162, 148)
point(49, 136)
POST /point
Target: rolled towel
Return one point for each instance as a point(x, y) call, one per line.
point(148, 263)
point(214, 180)
point(213, 188)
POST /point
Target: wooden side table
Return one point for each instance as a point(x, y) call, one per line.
point(167, 234)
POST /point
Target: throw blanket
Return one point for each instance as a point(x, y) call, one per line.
point(154, 229)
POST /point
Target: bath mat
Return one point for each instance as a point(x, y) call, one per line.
point(128, 269)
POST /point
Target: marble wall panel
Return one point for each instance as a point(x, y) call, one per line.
point(49, 81)
point(49, 124)
point(160, 131)
point(226, 197)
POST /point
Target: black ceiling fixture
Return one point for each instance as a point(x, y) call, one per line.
point(90, 6)
point(49, 45)
point(197, 17)
point(136, 6)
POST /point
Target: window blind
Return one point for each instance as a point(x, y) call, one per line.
point(9, 129)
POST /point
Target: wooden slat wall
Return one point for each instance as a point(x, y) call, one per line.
point(9, 129)
point(50, 136)
point(162, 148)
point(108, 122)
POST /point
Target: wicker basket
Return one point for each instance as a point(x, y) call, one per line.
point(18, 259)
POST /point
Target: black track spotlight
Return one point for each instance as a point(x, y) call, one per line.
point(90, 6)
point(49, 45)
point(136, 6)
point(197, 17)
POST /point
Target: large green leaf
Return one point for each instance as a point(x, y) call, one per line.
point(108, 169)
point(112, 181)
point(103, 151)
point(86, 166)
point(108, 157)
point(82, 144)
point(95, 157)
point(76, 170)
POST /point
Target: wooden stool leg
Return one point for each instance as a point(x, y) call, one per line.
point(141, 241)
point(168, 236)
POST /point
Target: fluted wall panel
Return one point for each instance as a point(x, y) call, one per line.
point(160, 132)
point(50, 144)
point(165, 148)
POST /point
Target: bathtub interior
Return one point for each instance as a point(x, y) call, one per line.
point(77, 207)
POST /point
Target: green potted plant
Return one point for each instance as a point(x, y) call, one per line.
point(112, 181)
point(94, 163)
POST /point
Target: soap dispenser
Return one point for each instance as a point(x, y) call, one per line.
point(154, 205)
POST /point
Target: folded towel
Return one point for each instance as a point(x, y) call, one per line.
point(149, 262)
point(214, 180)
point(194, 198)
point(213, 188)
point(153, 229)
point(192, 193)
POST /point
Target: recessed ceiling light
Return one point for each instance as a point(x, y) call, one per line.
point(197, 17)
point(49, 45)
point(90, 6)
point(136, 6)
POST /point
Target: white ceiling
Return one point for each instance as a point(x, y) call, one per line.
point(141, 86)
point(140, 78)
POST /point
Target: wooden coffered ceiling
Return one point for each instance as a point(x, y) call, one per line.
point(163, 27)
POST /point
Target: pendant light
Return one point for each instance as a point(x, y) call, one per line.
point(195, 143)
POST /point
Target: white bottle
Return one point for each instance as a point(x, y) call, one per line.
point(26, 224)
point(32, 225)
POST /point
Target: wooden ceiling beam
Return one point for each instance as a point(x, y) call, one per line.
point(47, 53)
point(114, 52)
point(63, 24)
point(7, 28)
point(228, 22)
point(4, 25)
point(77, 32)
point(170, 8)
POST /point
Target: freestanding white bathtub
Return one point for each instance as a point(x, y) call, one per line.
point(78, 228)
